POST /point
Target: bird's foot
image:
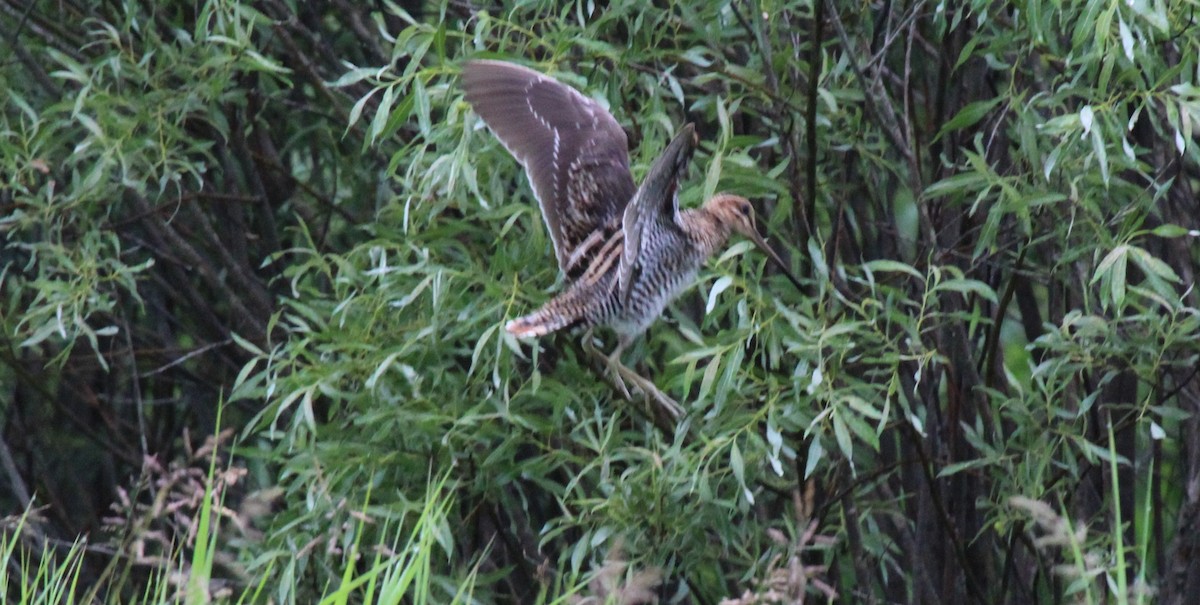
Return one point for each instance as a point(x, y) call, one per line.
point(667, 405)
point(668, 410)
point(615, 375)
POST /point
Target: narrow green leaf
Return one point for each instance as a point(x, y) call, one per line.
point(737, 464)
point(1101, 154)
point(1169, 230)
point(1051, 162)
point(354, 76)
point(1126, 38)
point(718, 287)
point(968, 286)
point(1152, 265)
point(959, 467)
point(969, 115)
point(246, 344)
point(842, 434)
point(815, 453)
point(356, 111)
point(892, 266)
point(382, 113)
point(1110, 259)
point(774, 437)
point(1117, 282)
point(961, 185)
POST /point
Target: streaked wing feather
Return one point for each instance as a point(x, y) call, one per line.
point(655, 205)
point(634, 221)
point(575, 154)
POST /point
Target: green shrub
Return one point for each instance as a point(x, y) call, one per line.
point(985, 392)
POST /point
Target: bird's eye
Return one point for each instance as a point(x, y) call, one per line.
point(746, 209)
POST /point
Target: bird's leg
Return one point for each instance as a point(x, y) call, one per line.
point(612, 362)
point(622, 373)
point(590, 349)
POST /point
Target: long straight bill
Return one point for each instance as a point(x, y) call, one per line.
point(774, 256)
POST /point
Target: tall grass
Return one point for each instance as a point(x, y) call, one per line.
point(36, 571)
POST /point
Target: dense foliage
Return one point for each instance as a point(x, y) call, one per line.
point(280, 225)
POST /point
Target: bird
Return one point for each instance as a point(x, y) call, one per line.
point(625, 251)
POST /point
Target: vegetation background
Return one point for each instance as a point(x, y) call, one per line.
point(257, 256)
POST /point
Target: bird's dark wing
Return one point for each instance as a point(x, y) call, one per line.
point(575, 154)
point(656, 203)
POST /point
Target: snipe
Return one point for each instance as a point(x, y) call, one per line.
point(626, 251)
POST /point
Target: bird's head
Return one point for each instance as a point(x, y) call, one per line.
point(736, 213)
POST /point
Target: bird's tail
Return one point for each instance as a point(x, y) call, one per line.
point(560, 313)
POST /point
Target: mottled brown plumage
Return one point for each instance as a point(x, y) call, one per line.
point(626, 252)
point(574, 152)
